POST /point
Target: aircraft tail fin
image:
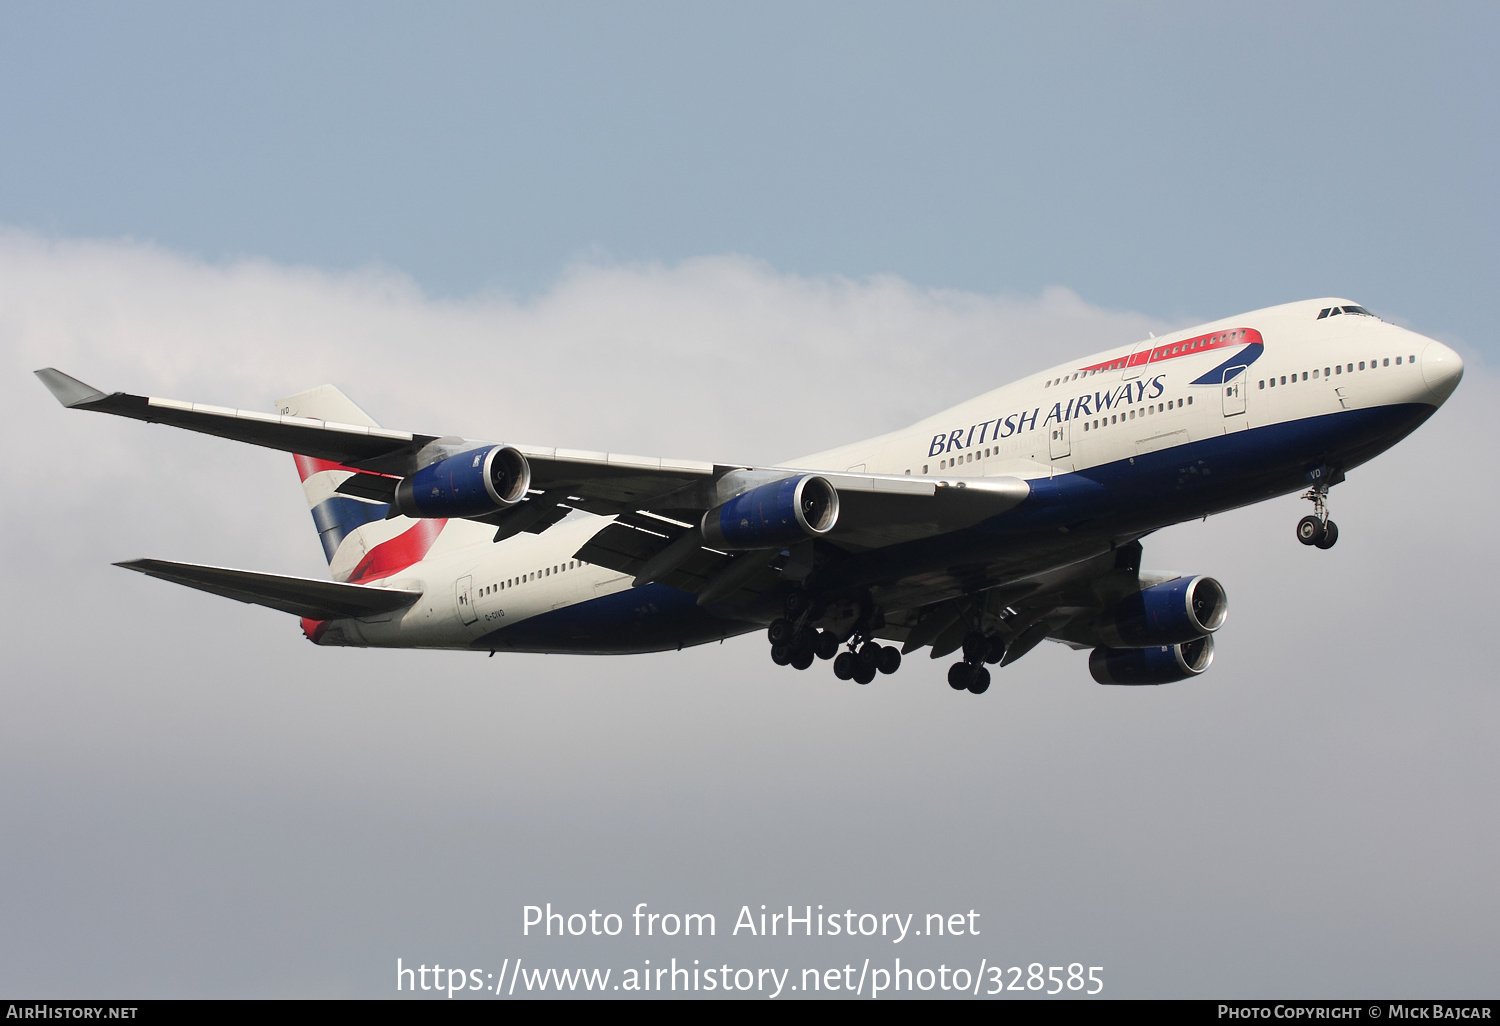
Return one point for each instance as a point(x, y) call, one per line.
point(361, 538)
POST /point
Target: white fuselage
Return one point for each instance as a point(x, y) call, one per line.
point(1103, 411)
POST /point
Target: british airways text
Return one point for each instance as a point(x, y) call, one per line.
point(1090, 405)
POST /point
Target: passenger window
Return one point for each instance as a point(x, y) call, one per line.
point(1398, 361)
point(1361, 365)
point(1411, 359)
point(1351, 368)
point(1262, 384)
point(1315, 372)
point(1190, 400)
point(1386, 362)
point(1304, 375)
point(1283, 379)
point(1339, 369)
point(924, 468)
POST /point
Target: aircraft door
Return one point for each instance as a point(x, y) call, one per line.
point(464, 596)
point(1137, 360)
point(1234, 391)
point(1059, 443)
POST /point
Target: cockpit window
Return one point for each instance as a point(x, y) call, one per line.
point(1334, 311)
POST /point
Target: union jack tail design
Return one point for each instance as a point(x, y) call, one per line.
point(362, 545)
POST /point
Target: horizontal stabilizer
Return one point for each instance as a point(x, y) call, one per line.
point(300, 596)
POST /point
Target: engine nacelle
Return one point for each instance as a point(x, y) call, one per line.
point(470, 484)
point(776, 513)
point(1159, 664)
point(1167, 614)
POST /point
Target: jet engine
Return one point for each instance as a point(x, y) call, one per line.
point(1159, 664)
point(1167, 614)
point(776, 513)
point(469, 484)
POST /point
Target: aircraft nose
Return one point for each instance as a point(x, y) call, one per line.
point(1441, 369)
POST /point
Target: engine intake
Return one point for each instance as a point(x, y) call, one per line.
point(1160, 664)
point(469, 484)
point(1167, 614)
point(776, 513)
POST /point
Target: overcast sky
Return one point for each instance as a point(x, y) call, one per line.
point(687, 231)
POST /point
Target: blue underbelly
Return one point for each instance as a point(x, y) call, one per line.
point(653, 618)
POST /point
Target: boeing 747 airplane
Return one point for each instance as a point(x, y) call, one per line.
point(985, 529)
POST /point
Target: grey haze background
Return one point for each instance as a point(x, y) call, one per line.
point(521, 222)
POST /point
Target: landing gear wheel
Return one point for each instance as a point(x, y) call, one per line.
point(845, 665)
point(890, 659)
point(869, 655)
point(1330, 535)
point(826, 646)
point(864, 674)
point(781, 654)
point(781, 631)
point(959, 676)
point(997, 650)
point(976, 647)
point(802, 657)
point(796, 603)
point(981, 682)
point(1310, 531)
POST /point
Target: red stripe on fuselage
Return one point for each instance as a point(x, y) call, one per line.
point(400, 552)
point(1187, 347)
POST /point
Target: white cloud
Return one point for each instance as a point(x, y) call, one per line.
point(1312, 812)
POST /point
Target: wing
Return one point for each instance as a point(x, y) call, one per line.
point(355, 445)
point(657, 501)
point(300, 596)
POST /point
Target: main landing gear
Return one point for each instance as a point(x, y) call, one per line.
point(971, 674)
point(795, 643)
point(1318, 529)
point(860, 664)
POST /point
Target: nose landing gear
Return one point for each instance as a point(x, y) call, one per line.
point(1318, 529)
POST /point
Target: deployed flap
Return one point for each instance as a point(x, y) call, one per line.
point(626, 549)
point(606, 482)
point(300, 596)
point(876, 511)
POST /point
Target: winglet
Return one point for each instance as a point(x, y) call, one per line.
point(67, 390)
